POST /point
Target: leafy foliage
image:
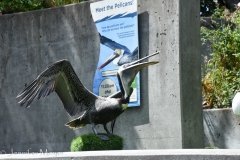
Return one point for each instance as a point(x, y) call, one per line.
point(90, 142)
point(223, 78)
point(219, 12)
point(13, 6)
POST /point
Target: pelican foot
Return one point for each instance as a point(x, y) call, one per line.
point(103, 137)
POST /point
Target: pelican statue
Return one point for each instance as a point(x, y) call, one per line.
point(121, 54)
point(78, 100)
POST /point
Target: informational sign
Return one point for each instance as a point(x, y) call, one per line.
point(117, 25)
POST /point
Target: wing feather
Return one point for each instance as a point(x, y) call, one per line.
point(27, 89)
point(61, 78)
point(34, 94)
point(27, 95)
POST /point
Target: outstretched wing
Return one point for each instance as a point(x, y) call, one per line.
point(61, 78)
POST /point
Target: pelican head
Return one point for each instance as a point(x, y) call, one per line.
point(115, 57)
point(127, 72)
point(120, 53)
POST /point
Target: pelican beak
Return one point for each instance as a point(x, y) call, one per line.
point(127, 73)
point(115, 54)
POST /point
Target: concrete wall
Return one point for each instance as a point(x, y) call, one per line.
point(170, 114)
point(221, 128)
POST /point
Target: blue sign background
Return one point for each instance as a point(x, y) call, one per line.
point(121, 26)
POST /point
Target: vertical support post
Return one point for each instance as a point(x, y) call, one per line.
point(190, 74)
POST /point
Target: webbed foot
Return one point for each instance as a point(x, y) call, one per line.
point(103, 137)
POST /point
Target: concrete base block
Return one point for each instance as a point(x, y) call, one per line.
point(221, 128)
point(177, 154)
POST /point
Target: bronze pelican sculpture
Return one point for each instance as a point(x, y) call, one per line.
point(78, 100)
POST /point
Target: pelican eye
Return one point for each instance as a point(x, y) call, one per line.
point(118, 51)
point(126, 65)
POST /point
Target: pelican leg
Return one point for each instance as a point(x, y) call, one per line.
point(94, 129)
point(112, 125)
point(103, 137)
point(105, 128)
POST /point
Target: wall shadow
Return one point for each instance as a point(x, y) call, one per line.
point(137, 116)
point(142, 111)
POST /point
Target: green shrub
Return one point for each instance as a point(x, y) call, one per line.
point(13, 6)
point(223, 78)
point(90, 142)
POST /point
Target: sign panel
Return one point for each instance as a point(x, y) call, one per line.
point(117, 25)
